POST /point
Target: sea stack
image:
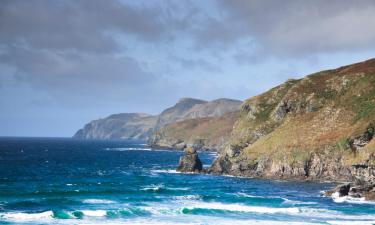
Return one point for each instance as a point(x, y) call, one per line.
point(190, 162)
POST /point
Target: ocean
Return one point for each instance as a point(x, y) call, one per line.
point(67, 181)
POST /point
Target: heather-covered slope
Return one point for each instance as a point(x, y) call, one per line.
point(210, 133)
point(318, 127)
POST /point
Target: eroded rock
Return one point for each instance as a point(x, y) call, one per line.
point(190, 162)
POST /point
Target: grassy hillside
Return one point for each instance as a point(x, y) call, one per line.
point(329, 115)
point(209, 132)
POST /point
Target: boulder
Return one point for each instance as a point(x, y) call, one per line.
point(190, 162)
point(339, 191)
point(343, 190)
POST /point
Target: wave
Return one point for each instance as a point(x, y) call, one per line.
point(94, 213)
point(165, 171)
point(199, 208)
point(247, 195)
point(294, 202)
point(188, 197)
point(161, 187)
point(20, 216)
point(153, 187)
point(285, 200)
point(347, 199)
point(237, 208)
point(352, 222)
point(98, 201)
point(139, 149)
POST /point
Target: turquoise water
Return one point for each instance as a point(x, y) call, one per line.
point(65, 181)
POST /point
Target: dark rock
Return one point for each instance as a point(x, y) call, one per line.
point(343, 190)
point(190, 162)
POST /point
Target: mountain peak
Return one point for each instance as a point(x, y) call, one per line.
point(190, 100)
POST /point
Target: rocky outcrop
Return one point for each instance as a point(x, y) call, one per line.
point(119, 126)
point(190, 162)
point(316, 128)
point(353, 191)
point(360, 141)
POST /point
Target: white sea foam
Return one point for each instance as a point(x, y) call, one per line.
point(188, 197)
point(333, 215)
point(94, 213)
point(178, 188)
point(138, 149)
point(293, 202)
point(152, 187)
point(20, 216)
point(347, 199)
point(243, 208)
point(98, 201)
point(351, 222)
point(242, 194)
point(158, 187)
point(165, 171)
point(216, 221)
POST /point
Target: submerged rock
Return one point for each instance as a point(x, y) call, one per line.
point(190, 162)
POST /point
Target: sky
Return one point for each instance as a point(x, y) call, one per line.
point(65, 63)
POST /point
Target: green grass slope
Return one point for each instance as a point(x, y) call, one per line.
point(327, 116)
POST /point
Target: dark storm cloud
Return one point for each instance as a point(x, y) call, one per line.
point(79, 25)
point(76, 51)
point(293, 27)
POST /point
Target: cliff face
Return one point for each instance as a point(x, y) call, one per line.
point(142, 126)
point(318, 127)
point(210, 133)
point(204, 125)
point(189, 108)
point(119, 126)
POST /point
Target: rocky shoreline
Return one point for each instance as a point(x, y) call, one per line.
point(359, 187)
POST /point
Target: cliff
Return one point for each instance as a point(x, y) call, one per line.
point(119, 126)
point(210, 133)
point(142, 126)
point(320, 127)
point(189, 108)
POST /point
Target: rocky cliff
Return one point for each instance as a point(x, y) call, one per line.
point(142, 126)
point(320, 127)
point(209, 133)
point(119, 126)
point(189, 108)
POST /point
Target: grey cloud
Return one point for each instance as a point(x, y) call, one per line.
point(85, 25)
point(77, 76)
point(292, 27)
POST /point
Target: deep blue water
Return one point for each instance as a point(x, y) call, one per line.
point(66, 181)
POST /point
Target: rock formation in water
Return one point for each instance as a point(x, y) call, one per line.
point(190, 162)
point(320, 127)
